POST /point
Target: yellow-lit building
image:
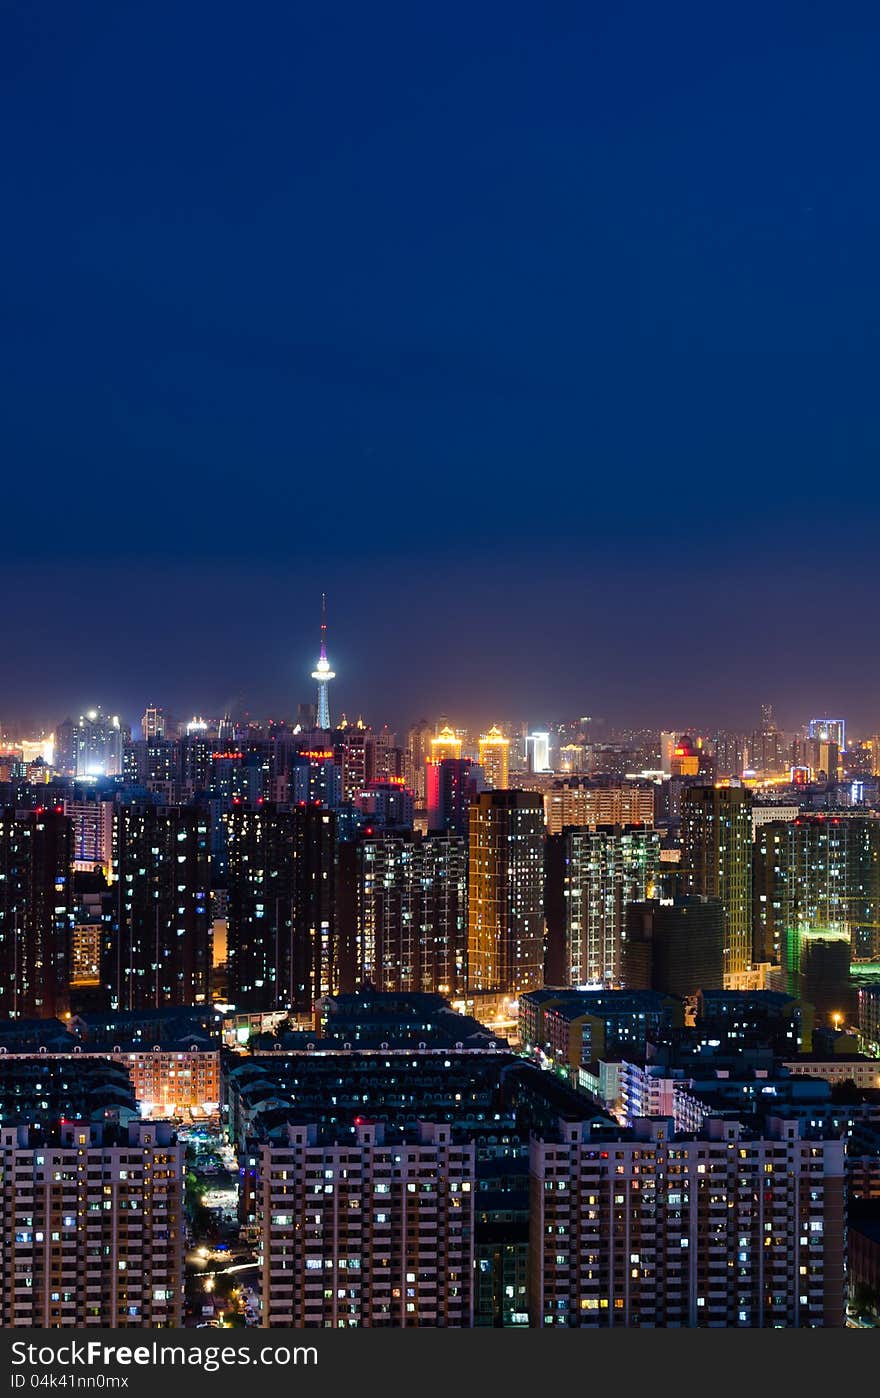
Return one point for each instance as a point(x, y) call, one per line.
point(495, 758)
point(445, 744)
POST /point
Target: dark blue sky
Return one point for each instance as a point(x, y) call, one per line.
point(544, 337)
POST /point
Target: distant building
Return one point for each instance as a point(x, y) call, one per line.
point(592, 876)
point(588, 803)
point(158, 951)
point(494, 750)
point(282, 950)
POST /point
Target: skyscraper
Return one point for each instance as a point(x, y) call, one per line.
point(94, 1217)
point(322, 672)
point(495, 758)
point(446, 743)
point(716, 861)
point(506, 895)
point(674, 945)
point(158, 951)
point(91, 747)
point(36, 856)
point(281, 945)
point(453, 786)
point(829, 730)
point(403, 910)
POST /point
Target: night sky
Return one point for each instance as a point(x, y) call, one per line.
point(543, 337)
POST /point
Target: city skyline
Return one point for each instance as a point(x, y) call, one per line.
point(440, 718)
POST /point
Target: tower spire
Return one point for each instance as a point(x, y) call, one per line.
point(322, 672)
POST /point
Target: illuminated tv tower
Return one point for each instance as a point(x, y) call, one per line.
point(322, 672)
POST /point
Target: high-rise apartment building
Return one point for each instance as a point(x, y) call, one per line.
point(403, 910)
point(158, 950)
point(506, 896)
point(452, 787)
point(417, 752)
point(36, 856)
point(93, 1226)
point(446, 743)
point(586, 803)
point(716, 861)
point(828, 730)
point(91, 747)
point(281, 885)
point(727, 1228)
point(592, 877)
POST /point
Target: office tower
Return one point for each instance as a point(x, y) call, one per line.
point(315, 776)
point(446, 744)
point(91, 747)
point(587, 802)
point(91, 817)
point(674, 945)
point(494, 751)
point(387, 1240)
point(195, 756)
point(538, 752)
point(828, 730)
point(403, 911)
point(159, 949)
point(506, 896)
point(453, 786)
point(322, 673)
point(728, 1228)
point(94, 1226)
point(36, 854)
point(572, 757)
point(598, 874)
point(716, 861)
point(352, 752)
point(281, 885)
point(814, 873)
point(153, 723)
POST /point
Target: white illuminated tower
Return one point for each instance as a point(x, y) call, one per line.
point(322, 672)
